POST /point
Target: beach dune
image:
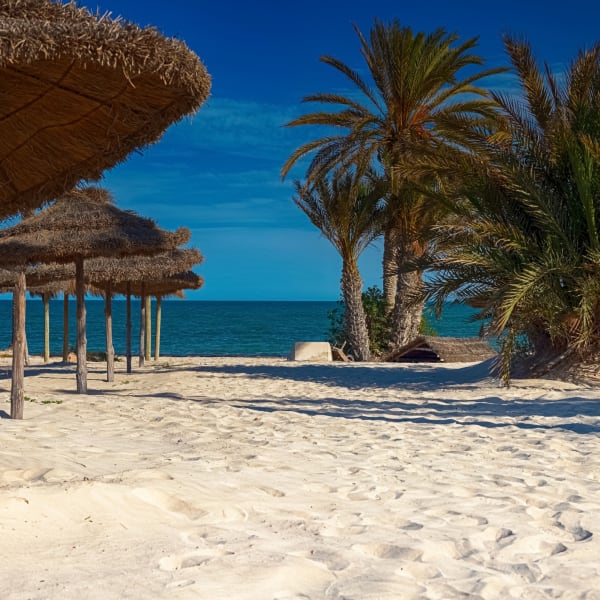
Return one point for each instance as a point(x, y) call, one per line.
point(257, 478)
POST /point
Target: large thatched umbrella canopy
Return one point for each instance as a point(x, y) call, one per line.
point(105, 273)
point(79, 225)
point(79, 93)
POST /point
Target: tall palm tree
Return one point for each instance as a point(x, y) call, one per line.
point(525, 248)
point(417, 100)
point(346, 208)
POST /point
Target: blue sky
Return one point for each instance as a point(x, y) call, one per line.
point(218, 172)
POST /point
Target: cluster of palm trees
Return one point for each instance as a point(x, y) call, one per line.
point(488, 198)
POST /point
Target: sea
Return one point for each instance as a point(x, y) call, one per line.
point(206, 328)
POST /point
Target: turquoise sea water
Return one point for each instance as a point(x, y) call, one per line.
point(206, 328)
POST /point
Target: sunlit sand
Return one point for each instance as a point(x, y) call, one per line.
point(260, 479)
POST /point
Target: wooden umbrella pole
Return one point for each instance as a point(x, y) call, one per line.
point(158, 319)
point(46, 299)
point(110, 351)
point(18, 358)
point(65, 356)
point(148, 331)
point(128, 327)
point(81, 335)
point(141, 354)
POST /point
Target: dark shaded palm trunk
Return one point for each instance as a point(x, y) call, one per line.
point(355, 322)
point(409, 304)
point(390, 270)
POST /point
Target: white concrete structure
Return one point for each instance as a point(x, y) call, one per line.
point(311, 352)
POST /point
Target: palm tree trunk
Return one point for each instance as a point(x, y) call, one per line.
point(46, 300)
point(158, 320)
point(110, 351)
point(390, 271)
point(65, 352)
point(408, 309)
point(128, 329)
point(18, 358)
point(355, 322)
point(81, 333)
point(148, 352)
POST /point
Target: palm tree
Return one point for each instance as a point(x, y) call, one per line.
point(346, 208)
point(525, 247)
point(417, 101)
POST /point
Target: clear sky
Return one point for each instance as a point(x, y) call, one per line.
point(218, 172)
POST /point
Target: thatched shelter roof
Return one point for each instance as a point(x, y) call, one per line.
point(100, 271)
point(53, 278)
point(79, 93)
point(445, 349)
point(84, 223)
point(165, 286)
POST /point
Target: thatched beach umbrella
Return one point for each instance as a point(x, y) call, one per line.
point(104, 273)
point(79, 225)
point(166, 286)
point(79, 93)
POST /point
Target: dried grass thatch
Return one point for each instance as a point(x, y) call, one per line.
point(52, 278)
point(445, 349)
point(84, 223)
point(79, 93)
point(165, 286)
point(103, 271)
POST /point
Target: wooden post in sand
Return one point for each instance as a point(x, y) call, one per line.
point(65, 352)
point(128, 328)
point(141, 354)
point(110, 350)
point(81, 373)
point(46, 300)
point(158, 319)
point(18, 358)
point(148, 332)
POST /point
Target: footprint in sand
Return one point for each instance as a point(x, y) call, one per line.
point(569, 520)
point(168, 503)
point(332, 560)
point(175, 562)
point(389, 551)
point(21, 475)
point(271, 491)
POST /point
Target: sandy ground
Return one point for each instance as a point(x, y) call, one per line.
point(229, 478)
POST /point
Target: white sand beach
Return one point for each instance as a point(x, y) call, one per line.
point(262, 479)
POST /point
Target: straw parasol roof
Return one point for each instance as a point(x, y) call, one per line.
point(84, 223)
point(444, 349)
point(52, 278)
point(101, 271)
point(79, 93)
point(166, 286)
